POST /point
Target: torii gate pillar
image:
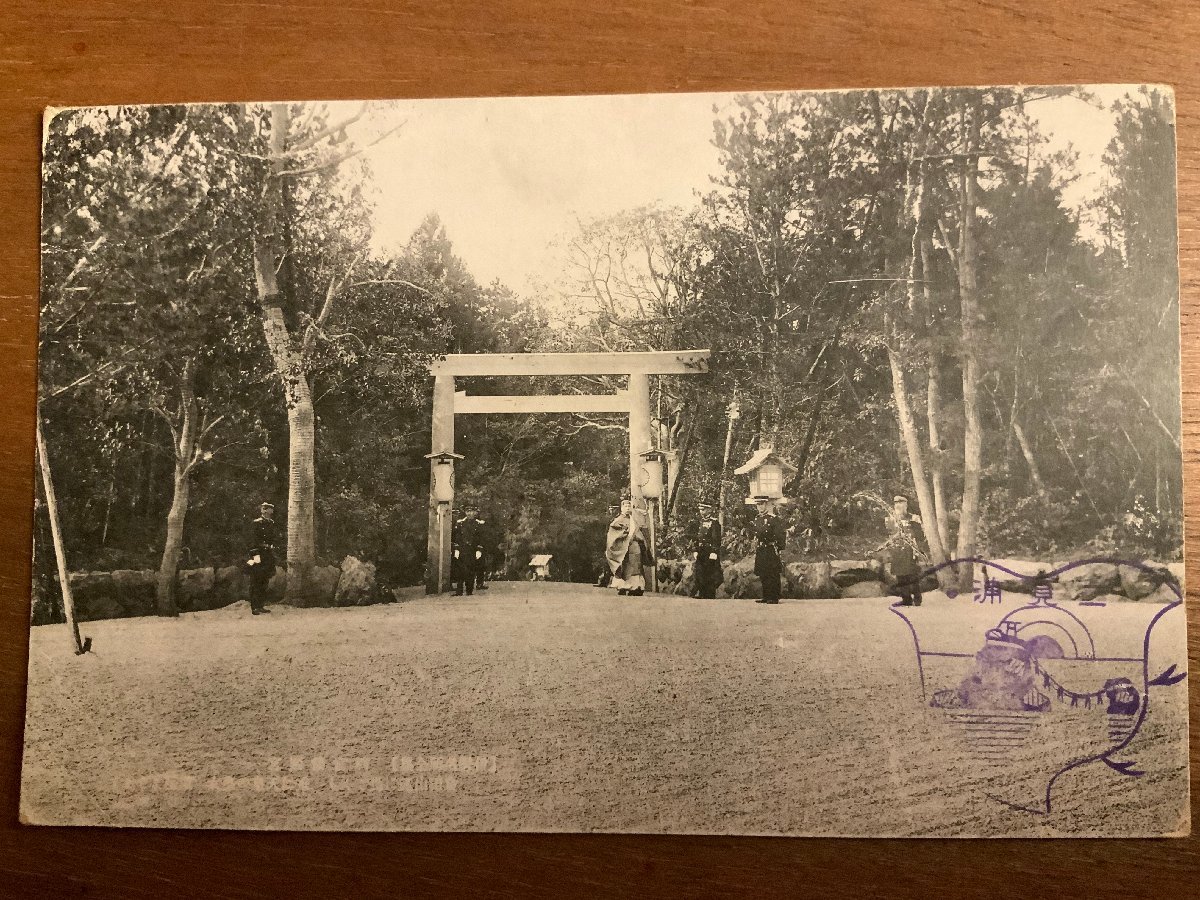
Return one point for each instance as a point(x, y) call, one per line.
point(639, 429)
point(441, 515)
point(634, 402)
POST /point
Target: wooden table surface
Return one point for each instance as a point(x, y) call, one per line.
point(101, 52)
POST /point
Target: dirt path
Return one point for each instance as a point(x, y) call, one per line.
point(537, 707)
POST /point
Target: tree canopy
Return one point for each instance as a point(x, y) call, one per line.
point(897, 296)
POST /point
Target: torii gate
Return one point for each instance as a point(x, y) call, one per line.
point(634, 401)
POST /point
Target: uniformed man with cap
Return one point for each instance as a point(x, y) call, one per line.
point(770, 536)
point(261, 564)
point(706, 545)
point(467, 545)
point(902, 551)
point(489, 539)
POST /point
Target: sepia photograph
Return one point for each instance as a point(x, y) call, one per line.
point(434, 465)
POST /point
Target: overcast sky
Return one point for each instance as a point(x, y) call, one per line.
point(509, 176)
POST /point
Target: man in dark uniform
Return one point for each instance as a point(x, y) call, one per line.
point(261, 564)
point(902, 551)
point(491, 546)
point(706, 544)
point(770, 535)
point(466, 549)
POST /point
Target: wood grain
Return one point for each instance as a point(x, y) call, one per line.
point(58, 53)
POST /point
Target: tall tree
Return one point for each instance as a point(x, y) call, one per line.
point(299, 285)
point(137, 240)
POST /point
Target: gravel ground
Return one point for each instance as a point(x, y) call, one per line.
point(544, 708)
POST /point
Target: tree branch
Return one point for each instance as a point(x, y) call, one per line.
point(315, 139)
point(338, 160)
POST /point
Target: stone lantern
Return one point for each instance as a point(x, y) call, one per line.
point(651, 474)
point(767, 471)
point(651, 482)
point(441, 491)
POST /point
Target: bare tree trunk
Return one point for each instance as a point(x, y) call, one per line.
point(1027, 452)
point(288, 362)
point(734, 414)
point(810, 433)
point(185, 448)
point(916, 462)
point(108, 505)
point(933, 417)
point(301, 522)
point(1171, 435)
point(1158, 486)
point(913, 215)
point(968, 526)
point(933, 401)
point(168, 569)
point(675, 471)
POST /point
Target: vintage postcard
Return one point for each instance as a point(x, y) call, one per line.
point(439, 465)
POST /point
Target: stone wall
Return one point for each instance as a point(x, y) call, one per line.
point(839, 578)
point(129, 592)
point(823, 579)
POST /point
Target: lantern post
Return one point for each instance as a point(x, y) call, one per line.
point(441, 489)
point(651, 481)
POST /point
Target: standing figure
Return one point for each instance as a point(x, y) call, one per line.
point(627, 550)
point(902, 553)
point(604, 574)
point(706, 544)
point(770, 536)
point(466, 550)
point(489, 543)
point(261, 564)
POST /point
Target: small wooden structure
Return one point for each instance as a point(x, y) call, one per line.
point(539, 567)
point(766, 469)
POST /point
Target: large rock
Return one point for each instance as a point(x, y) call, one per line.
point(98, 595)
point(865, 589)
point(277, 586)
point(1162, 594)
point(740, 580)
point(230, 585)
point(811, 579)
point(1013, 586)
point(356, 585)
point(671, 570)
point(746, 584)
point(845, 572)
point(685, 585)
point(135, 588)
point(322, 585)
point(1137, 583)
point(1022, 584)
point(195, 591)
point(1090, 581)
point(95, 596)
point(731, 574)
point(314, 590)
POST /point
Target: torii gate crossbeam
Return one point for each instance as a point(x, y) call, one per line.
point(634, 401)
